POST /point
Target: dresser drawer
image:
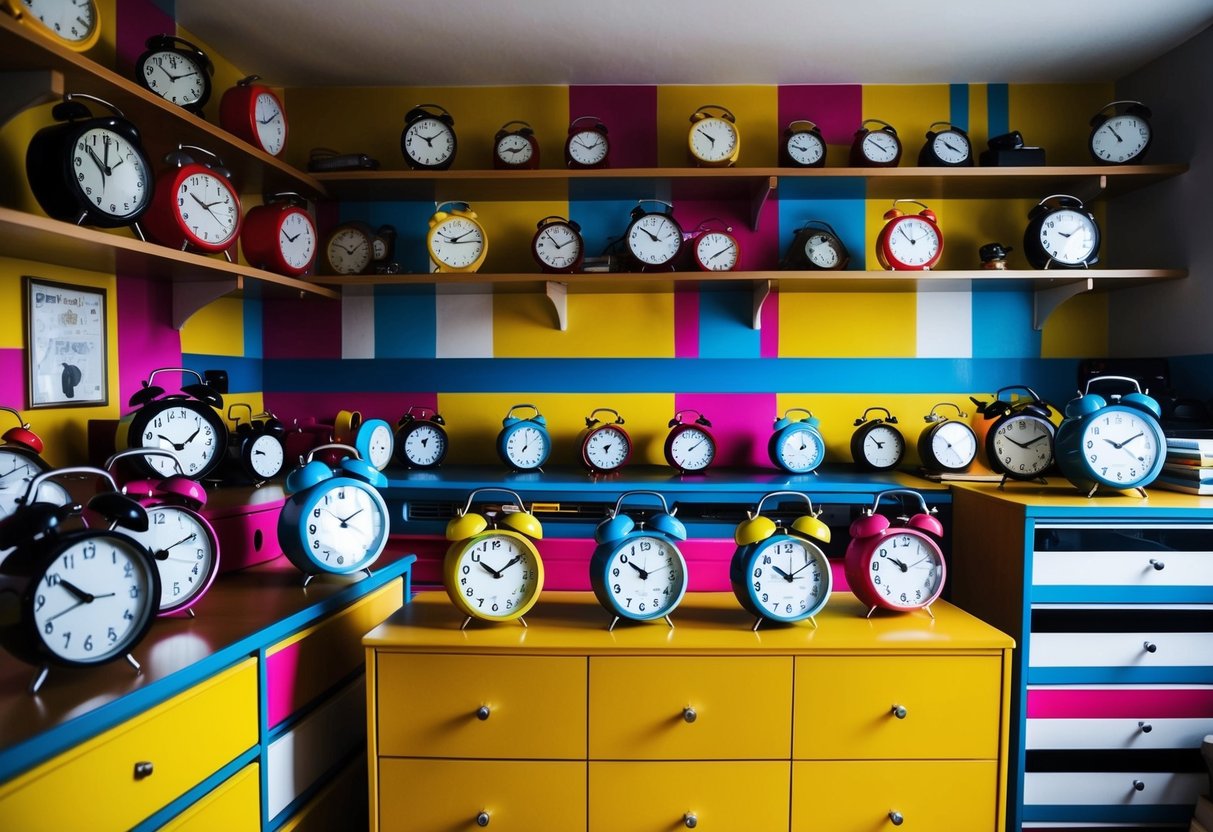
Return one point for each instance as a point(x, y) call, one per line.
point(430, 706)
point(934, 796)
point(185, 739)
point(847, 707)
point(1111, 788)
point(1129, 569)
point(233, 806)
point(1118, 717)
point(690, 708)
point(448, 795)
point(659, 796)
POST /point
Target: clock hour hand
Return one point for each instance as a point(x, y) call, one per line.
point(1112, 130)
point(174, 445)
point(644, 576)
point(785, 575)
point(899, 564)
point(268, 120)
point(97, 161)
point(490, 569)
point(289, 238)
point(907, 236)
point(709, 135)
point(84, 597)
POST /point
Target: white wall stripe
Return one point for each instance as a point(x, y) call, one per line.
point(464, 322)
point(358, 322)
point(945, 319)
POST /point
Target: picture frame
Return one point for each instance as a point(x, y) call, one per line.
point(67, 344)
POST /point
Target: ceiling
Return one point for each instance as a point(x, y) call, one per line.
point(514, 42)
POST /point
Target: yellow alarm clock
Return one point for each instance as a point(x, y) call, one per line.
point(76, 25)
point(714, 139)
point(456, 241)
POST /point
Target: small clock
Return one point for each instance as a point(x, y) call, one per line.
point(639, 573)
point(186, 424)
point(714, 139)
point(879, 148)
point(492, 570)
point(456, 239)
point(948, 446)
point(876, 445)
point(349, 248)
point(780, 574)
point(689, 446)
point(383, 247)
point(177, 71)
point(428, 139)
point(194, 204)
point(375, 442)
point(421, 439)
point(257, 447)
point(1019, 443)
point(20, 461)
point(75, 24)
point(816, 246)
point(796, 445)
point(280, 236)
point(948, 148)
point(605, 445)
point(557, 246)
point(515, 147)
point(899, 568)
point(909, 242)
point(1061, 233)
point(524, 443)
point(715, 249)
point(254, 113)
point(90, 170)
point(1121, 133)
point(653, 238)
point(803, 146)
point(587, 145)
point(1117, 445)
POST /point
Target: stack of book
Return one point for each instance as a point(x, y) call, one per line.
point(1188, 466)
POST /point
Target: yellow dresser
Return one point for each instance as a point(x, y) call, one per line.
point(860, 724)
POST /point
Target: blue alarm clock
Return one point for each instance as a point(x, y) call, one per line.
point(797, 445)
point(639, 573)
point(1119, 445)
point(524, 443)
point(375, 442)
point(780, 574)
point(335, 521)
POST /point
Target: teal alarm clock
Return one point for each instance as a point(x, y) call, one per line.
point(375, 442)
point(334, 521)
point(524, 443)
point(797, 445)
point(637, 571)
point(1115, 445)
point(779, 573)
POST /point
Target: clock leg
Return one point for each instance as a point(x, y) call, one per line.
point(1141, 491)
point(813, 621)
point(870, 611)
point(307, 579)
point(1091, 493)
point(611, 628)
point(928, 609)
point(36, 683)
point(668, 621)
point(138, 231)
point(465, 623)
point(1002, 482)
point(368, 571)
point(190, 613)
point(227, 252)
point(522, 621)
point(757, 624)
point(135, 664)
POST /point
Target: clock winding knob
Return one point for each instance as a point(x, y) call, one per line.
point(899, 711)
point(896, 818)
point(143, 769)
point(689, 820)
point(482, 713)
point(482, 819)
point(1145, 727)
point(1151, 647)
point(1157, 564)
point(1139, 786)
point(689, 715)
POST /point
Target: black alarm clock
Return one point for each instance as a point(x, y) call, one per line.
point(188, 425)
point(1061, 234)
point(177, 71)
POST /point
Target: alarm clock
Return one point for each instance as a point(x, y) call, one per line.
point(909, 242)
point(74, 24)
point(428, 139)
point(280, 236)
point(194, 204)
point(90, 170)
point(349, 247)
point(1116, 445)
point(714, 139)
point(879, 148)
point(186, 424)
point(257, 447)
point(177, 71)
point(605, 446)
point(421, 440)
point(639, 573)
point(796, 445)
point(803, 146)
point(334, 521)
point(515, 148)
point(383, 248)
point(689, 446)
point(375, 442)
point(780, 574)
point(557, 246)
point(816, 246)
point(715, 249)
point(1019, 442)
point(21, 461)
point(898, 568)
point(948, 148)
point(252, 112)
point(524, 443)
point(1061, 233)
point(492, 570)
point(587, 145)
point(653, 238)
point(1120, 133)
point(876, 445)
point(75, 597)
point(456, 240)
point(948, 446)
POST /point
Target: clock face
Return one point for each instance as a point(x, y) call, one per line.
point(379, 446)
point(645, 577)
point(1121, 447)
point(526, 447)
point(691, 449)
point(1069, 237)
point(800, 451)
point(953, 446)
point(207, 209)
point(72, 20)
point(94, 599)
point(297, 240)
point(514, 149)
point(183, 433)
point(913, 241)
point(378, 248)
point(1022, 446)
point(879, 147)
point(111, 173)
point(716, 252)
point(789, 578)
point(346, 528)
point(822, 251)
point(457, 242)
point(805, 148)
point(587, 147)
point(495, 575)
point(429, 142)
point(17, 471)
point(606, 448)
point(1122, 138)
point(271, 123)
point(654, 239)
point(950, 147)
point(266, 456)
point(424, 445)
point(906, 570)
point(174, 76)
point(713, 139)
point(558, 246)
point(184, 551)
point(349, 251)
point(883, 447)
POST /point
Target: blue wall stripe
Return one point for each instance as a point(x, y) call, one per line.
point(409, 218)
point(998, 108)
point(1002, 323)
point(244, 375)
point(1176, 675)
point(838, 202)
point(725, 331)
point(252, 328)
point(405, 322)
point(600, 220)
point(958, 105)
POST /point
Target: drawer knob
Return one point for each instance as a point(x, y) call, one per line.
point(897, 818)
point(482, 713)
point(1139, 786)
point(1151, 647)
point(143, 769)
point(689, 820)
point(482, 819)
point(1157, 564)
point(899, 711)
point(689, 715)
point(1145, 727)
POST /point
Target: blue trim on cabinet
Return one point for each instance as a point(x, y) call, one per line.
point(1179, 674)
point(1062, 594)
point(199, 791)
point(1108, 814)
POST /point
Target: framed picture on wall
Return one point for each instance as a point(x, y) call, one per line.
point(66, 351)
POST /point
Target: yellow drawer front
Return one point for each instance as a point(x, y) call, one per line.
point(185, 739)
point(429, 705)
point(690, 708)
point(847, 706)
point(234, 806)
point(448, 795)
point(662, 797)
point(869, 796)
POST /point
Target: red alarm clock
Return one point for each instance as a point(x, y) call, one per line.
point(587, 145)
point(898, 568)
point(194, 205)
point(280, 235)
point(254, 113)
point(690, 446)
point(605, 446)
point(515, 147)
point(20, 462)
point(909, 242)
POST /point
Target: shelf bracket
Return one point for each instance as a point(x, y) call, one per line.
point(557, 294)
point(763, 189)
point(22, 90)
point(1044, 301)
point(762, 291)
point(191, 295)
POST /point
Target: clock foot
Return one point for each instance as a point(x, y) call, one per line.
point(36, 683)
point(227, 252)
point(757, 624)
point(138, 231)
point(465, 623)
point(928, 609)
point(611, 628)
point(522, 621)
point(1002, 482)
point(870, 611)
point(813, 621)
point(190, 613)
point(134, 663)
point(368, 571)
point(668, 621)
point(83, 216)
point(1091, 493)
point(307, 580)
point(1141, 491)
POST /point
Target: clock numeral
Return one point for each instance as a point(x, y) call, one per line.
point(52, 579)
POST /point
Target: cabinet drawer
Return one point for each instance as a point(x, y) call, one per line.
point(1112, 788)
point(690, 708)
point(341, 804)
point(659, 797)
point(1113, 717)
point(448, 795)
point(937, 796)
point(847, 706)
point(428, 705)
point(185, 739)
point(1129, 569)
point(1128, 650)
point(234, 806)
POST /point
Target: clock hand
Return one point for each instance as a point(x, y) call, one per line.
point(652, 236)
point(345, 520)
point(100, 165)
point(64, 611)
point(513, 561)
point(1112, 130)
point(105, 144)
point(879, 444)
point(84, 597)
point(722, 251)
point(950, 146)
point(490, 569)
point(1033, 441)
point(429, 140)
point(709, 135)
point(162, 554)
point(801, 569)
point(785, 575)
point(644, 576)
point(902, 229)
point(920, 560)
point(289, 238)
point(175, 446)
point(268, 120)
point(192, 435)
point(899, 564)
